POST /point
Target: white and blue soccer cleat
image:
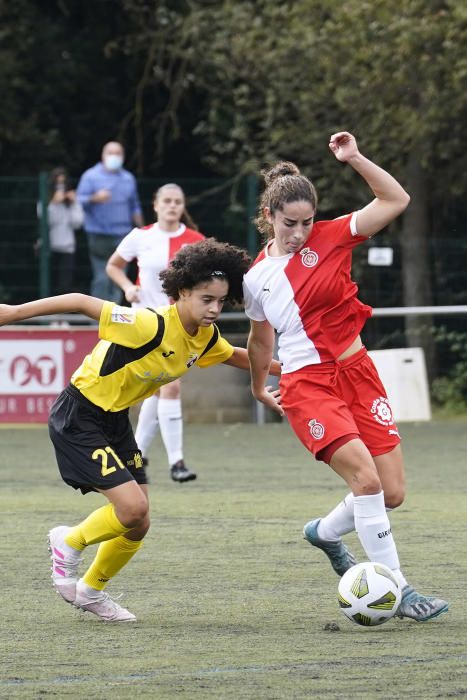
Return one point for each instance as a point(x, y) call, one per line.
point(420, 607)
point(340, 557)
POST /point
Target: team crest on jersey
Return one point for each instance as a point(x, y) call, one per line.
point(191, 360)
point(381, 411)
point(123, 314)
point(309, 257)
point(316, 429)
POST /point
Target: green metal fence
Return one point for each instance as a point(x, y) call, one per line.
point(221, 208)
point(226, 209)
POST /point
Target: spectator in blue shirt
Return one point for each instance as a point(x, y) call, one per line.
point(109, 197)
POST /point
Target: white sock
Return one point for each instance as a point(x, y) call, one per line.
point(339, 521)
point(86, 590)
point(147, 424)
point(171, 425)
point(397, 572)
point(374, 530)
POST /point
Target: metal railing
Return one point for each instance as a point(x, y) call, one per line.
point(259, 412)
point(231, 316)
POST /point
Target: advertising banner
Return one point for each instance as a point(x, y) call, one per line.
point(35, 365)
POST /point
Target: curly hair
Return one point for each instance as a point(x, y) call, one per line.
point(203, 262)
point(284, 184)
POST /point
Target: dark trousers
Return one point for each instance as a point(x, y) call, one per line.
point(62, 266)
point(101, 246)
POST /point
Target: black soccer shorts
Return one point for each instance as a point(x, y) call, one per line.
point(95, 449)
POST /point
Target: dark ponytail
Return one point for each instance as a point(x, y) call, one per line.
point(284, 183)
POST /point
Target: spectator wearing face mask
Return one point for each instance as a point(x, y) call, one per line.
point(109, 197)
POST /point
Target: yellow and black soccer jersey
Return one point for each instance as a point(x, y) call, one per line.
point(141, 350)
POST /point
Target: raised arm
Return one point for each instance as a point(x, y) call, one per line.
point(260, 350)
point(390, 197)
point(65, 303)
point(115, 269)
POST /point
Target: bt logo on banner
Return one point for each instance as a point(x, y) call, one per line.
point(31, 366)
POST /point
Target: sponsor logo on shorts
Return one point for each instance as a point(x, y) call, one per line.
point(381, 411)
point(309, 257)
point(316, 429)
point(123, 314)
point(393, 432)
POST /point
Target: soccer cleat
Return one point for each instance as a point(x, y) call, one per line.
point(338, 554)
point(420, 607)
point(64, 566)
point(180, 473)
point(102, 605)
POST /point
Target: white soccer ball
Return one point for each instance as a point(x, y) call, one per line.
point(369, 594)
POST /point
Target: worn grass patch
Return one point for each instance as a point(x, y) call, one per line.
point(231, 601)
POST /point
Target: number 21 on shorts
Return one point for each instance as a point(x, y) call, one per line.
point(102, 454)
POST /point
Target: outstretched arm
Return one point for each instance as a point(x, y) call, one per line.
point(390, 197)
point(260, 349)
point(65, 303)
point(239, 359)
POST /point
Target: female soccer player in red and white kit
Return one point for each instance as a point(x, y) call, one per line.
point(330, 391)
point(153, 247)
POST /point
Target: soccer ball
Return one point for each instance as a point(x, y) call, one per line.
point(369, 594)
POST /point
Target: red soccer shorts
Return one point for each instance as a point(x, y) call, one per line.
point(326, 402)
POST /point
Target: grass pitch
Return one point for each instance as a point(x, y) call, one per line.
point(231, 601)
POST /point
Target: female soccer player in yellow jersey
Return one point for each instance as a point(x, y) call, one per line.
point(140, 350)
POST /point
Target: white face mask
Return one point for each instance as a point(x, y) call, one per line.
point(113, 161)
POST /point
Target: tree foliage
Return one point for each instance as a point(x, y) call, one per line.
point(220, 87)
point(271, 80)
point(234, 83)
point(62, 93)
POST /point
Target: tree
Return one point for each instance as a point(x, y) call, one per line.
point(63, 95)
point(209, 87)
point(282, 77)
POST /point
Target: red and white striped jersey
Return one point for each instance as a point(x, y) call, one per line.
point(153, 250)
point(309, 296)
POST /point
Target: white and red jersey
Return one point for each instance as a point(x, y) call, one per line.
point(153, 249)
point(309, 296)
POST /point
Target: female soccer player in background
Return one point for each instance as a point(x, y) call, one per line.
point(300, 285)
point(140, 350)
point(153, 247)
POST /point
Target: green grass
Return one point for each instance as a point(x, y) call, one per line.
point(231, 601)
